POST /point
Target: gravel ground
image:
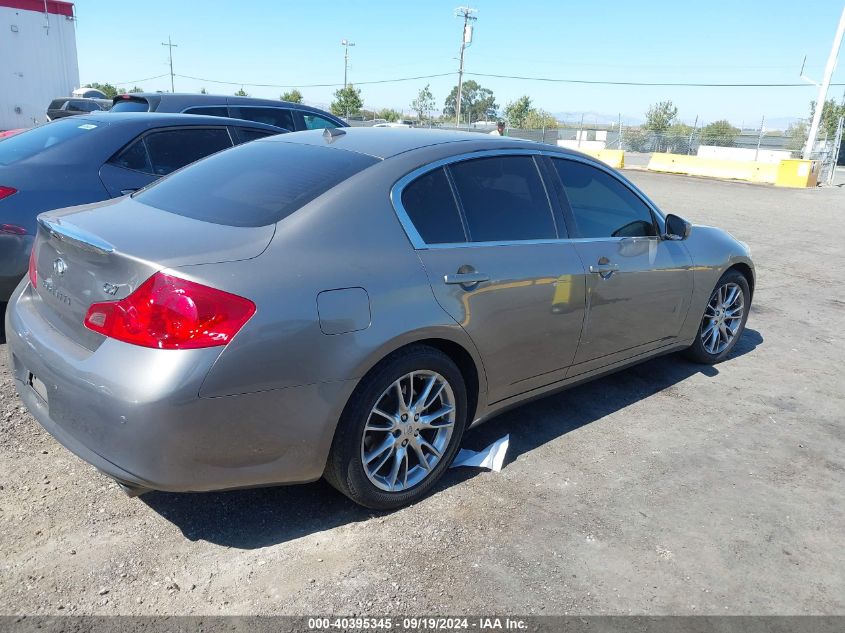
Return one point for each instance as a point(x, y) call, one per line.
point(669, 488)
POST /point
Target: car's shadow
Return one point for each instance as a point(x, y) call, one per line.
point(259, 517)
point(2, 322)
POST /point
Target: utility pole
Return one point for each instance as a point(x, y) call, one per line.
point(468, 15)
point(346, 44)
point(170, 46)
point(828, 71)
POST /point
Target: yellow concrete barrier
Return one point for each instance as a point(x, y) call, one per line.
point(795, 172)
point(751, 171)
point(612, 157)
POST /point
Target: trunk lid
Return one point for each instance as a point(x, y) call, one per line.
point(103, 252)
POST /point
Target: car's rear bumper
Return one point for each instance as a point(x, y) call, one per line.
point(134, 413)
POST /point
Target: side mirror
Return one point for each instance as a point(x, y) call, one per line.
point(677, 228)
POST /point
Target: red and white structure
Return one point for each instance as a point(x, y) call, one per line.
point(37, 59)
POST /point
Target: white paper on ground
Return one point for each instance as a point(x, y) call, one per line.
point(491, 457)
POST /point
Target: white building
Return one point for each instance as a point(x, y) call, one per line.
point(37, 59)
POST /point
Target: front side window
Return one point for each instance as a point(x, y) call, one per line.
point(317, 122)
point(280, 117)
point(430, 205)
point(503, 199)
point(601, 204)
point(171, 149)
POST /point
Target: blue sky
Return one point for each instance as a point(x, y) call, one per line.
point(298, 43)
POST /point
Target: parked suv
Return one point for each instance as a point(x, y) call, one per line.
point(68, 106)
point(282, 114)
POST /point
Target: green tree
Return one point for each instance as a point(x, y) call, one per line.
point(830, 117)
point(540, 119)
point(347, 101)
point(241, 93)
point(423, 104)
point(134, 89)
point(203, 91)
point(107, 89)
point(677, 138)
point(797, 133)
point(660, 116)
point(477, 103)
point(636, 139)
point(389, 114)
point(294, 96)
point(720, 133)
point(517, 111)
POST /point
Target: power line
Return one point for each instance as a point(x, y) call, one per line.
point(137, 81)
point(332, 85)
point(643, 83)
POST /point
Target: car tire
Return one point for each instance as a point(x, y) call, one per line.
point(419, 446)
point(722, 325)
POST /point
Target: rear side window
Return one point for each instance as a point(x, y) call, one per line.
point(317, 122)
point(245, 134)
point(601, 204)
point(254, 184)
point(45, 137)
point(171, 149)
point(56, 104)
point(134, 157)
point(280, 117)
point(209, 110)
point(503, 199)
point(429, 203)
point(133, 104)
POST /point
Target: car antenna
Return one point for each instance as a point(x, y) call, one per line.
point(331, 133)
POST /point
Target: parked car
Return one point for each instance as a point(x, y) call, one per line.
point(306, 305)
point(70, 106)
point(95, 157)
point(283, 114)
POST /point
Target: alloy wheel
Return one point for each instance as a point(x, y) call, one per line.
point(408, 430)
point(722, 318)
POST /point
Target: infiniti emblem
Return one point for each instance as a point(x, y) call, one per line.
point(59, 266)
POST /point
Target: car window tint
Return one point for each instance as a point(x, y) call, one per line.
point(601, 204)
point(56, 104)
point(134, 157)
point(246, 134)
point(317, 122)
point(280, 117)
point(76, 106)
point(429, 202)
point(171, 149)
point(132, 104)
point(503, 199)
point(44, 137)
point(254, 184)
point(209, 110)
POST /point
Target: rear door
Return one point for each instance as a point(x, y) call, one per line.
point(638, 285)
point(158, 153)
point(493, 246)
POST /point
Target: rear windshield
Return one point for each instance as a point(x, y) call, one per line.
point(130, 105)
point(29, 143)
point(255, 184)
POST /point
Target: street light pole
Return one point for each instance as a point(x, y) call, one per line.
point(346, 44)
point(828, 72)
point(170, 46)
point(466, 38)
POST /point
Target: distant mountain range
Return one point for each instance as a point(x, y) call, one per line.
point(591, 117)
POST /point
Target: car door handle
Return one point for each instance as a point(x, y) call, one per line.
point(466, 279)
point(604, 270)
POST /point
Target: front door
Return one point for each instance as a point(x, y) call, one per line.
point(638, 285)
point(490, 245)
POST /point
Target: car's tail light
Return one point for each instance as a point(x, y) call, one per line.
point(33, 273)
point(5, 191)
point(167, 312)
point(12, 229)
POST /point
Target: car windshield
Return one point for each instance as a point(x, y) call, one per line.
point(255, 184)
point(29, 143)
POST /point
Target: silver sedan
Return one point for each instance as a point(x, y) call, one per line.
point(347, 303)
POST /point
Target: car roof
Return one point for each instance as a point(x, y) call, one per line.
point(160, 119)
point(386, 142)
point(187, 99)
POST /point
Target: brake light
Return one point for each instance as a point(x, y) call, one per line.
point(5, 191)
point(167, 312)
point(33, 273)
point(12, 229)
